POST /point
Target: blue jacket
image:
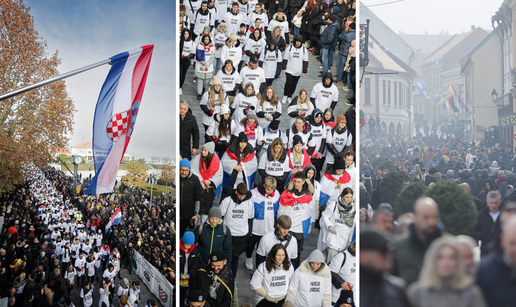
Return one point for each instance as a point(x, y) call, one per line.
point(345, 39)
point(497, 281)
point(328, 35)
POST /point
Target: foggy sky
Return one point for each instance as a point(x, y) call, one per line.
point(85, 32)
point(416, 16)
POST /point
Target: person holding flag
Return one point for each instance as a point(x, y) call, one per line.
point(115, 219)
point(333, 182)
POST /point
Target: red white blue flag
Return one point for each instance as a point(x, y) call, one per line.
point(115, 219)
point(115, 114)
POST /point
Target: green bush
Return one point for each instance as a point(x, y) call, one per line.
point(456, 208)
point(406, 199)
point(387, 164)
point(163, 182)
point(391, 186)
point(377, 162)
point(155, 190)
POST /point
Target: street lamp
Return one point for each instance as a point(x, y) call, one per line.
point(494, 95)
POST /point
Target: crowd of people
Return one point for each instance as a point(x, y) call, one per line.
point(55, 250)
point(254, 188)
point(239, 43)
point(411, 256)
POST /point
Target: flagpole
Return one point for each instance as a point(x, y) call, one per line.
point(53, 79)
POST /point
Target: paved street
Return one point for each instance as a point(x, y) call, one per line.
point(189, 94)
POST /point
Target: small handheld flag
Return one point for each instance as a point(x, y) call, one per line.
point(115, 114)
point(115, 219)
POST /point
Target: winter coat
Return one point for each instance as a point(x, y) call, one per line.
point(224, 290)
point(345, 39)
point(496, 280)
point(191, 193)
point(328, 35)
point(204, 69)
point(193, 260)
point(470, 296)
point(511, 179)
point(308, 288)
point(483, 195)
point(466, 177)
point(211, 238)
point(409, 254)
point(486, 230)
point(381, 290)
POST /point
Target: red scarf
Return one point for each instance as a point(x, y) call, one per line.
point(306, 159)
point(345, 178)
point(250, 130)
point(186, 251)
point(331, 124)
point(287, 199)
point(207, 173)
point(244, 159)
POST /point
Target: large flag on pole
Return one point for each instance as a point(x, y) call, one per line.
point(115, 114)
point(421, 87)
point(460, 101)
point(115, 219)
point(450, 92)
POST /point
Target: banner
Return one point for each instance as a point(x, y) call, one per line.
point(156, 283)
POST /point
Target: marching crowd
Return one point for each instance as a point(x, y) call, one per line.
point(411, 255)
point(243, 43)
point(255, 189)
point(55, 250)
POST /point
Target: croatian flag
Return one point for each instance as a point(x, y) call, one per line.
point(115, 114)
point(115, 219)
point(332, 186)
point(421, 87)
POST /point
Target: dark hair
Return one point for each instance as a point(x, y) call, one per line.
point(241, 188)
point(346, 191)
point(270, 261)
point(284, 221)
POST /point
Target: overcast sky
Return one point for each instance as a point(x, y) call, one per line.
point(416, 16)
point(85, 32)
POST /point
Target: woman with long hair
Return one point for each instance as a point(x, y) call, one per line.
point(275, 163)
point(443, 280)
point(187, 47)
point(221, 130)
point(244, 103)
point(269, 107)
point(337, 225)
point(231, 78)
point(272, 278)
point(205, 55)
point(220, 37)
point(206, 166)
point(300, 106)
point(300, 128)
point(211, 102)
point(232, 50)
point(310, 174)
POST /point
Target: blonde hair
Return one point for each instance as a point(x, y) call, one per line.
point(274, 100)
point(428, 277)
point(275, 142)
point(273, 35)
point(212, 97)
point(297, 157)
point(300, 102)
point(270, 182)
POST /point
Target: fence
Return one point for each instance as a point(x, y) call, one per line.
point(156, 283)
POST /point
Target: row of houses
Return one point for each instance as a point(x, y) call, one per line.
point(477, 65)
point(84, 149)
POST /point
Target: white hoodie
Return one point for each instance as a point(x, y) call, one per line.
point(275, 282)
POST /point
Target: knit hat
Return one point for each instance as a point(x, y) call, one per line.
point(336, 10)
point(252, 115)
point(210, 147)
point(217, 256)
point(339, 164)
point(125, 281)
point(341, 118)
point(346, 297)
point(233, 36)
point(224, 109)
point(317, 113)
point(215, 212)
point(185, 163)
point(188, 238)
point(449, 173)
point(333, 18)
point(196, 296)
point(297, 140)
point(216, 80)
point(242, 137)
point(131, 299)
point(274, 125)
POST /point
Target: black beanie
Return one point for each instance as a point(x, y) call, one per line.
point(242, 137)
point(274, 125)
point(339, 164)
point(297, 140)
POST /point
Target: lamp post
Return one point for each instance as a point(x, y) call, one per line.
point(494, 95)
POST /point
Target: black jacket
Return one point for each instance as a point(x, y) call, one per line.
point(202, 281)
point(193, 261)
point(486, 230)
point(497, 281)
point(379, 290)
point(191, 192)
point(188, 131)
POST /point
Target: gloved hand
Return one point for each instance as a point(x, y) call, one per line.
point(332, 229)
point(268, 116)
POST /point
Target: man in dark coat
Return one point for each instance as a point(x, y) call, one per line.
point(217, 275)
point(191, 194)
point(189, 132)
point(495, 274)
point(326, 42)
point(488, 222)
point(467, 178)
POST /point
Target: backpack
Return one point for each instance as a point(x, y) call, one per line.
point(223, 229)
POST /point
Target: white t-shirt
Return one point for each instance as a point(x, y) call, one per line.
point(236, 216)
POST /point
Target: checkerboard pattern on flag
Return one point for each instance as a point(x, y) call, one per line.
point(115, 219)
point(116, 113)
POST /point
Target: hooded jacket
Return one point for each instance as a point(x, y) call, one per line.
point(328, 35)
point(233, 53)
point(293, 109)
point(202, 19)
point(254, 46)
point(189, 133)
point(305, 134)
point(212, 238)
point(295, 60)
point(191, 193)
point(243, 104)
point(251, 18)
point(325, 96)
point(265, 208)
point(282, 23)
point(318, 132)
point(187, 46)
point(337, 141)
point(190, 255)
point(511, 180)
point(204, 69)
point(220, 37)
point(271, 59)
point(266, 136)
point(483, 195)
point(308, 288)
point(345, 39)
point(238, 215)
